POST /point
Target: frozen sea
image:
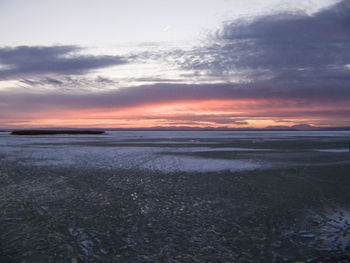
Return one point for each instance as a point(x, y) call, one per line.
point(151, 150)
point(175, 196)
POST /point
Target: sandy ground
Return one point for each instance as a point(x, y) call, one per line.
point(175, 197)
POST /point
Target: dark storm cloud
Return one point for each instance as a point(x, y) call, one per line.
point(33, 60)
point(277, 43)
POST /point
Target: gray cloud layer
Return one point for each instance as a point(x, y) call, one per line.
point(162, 93)
point(279, 42)
point(32, 60)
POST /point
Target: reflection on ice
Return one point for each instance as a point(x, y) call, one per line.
point(194, 164)
point(333, 150)
point(126, 158)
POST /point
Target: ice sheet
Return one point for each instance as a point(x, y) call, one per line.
point(104, 151)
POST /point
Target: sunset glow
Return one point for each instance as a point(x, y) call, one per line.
point(206, 113)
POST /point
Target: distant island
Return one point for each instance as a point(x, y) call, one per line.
point(53, 132)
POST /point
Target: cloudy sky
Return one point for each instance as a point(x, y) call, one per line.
point(196, 63)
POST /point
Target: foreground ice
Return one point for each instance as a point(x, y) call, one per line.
point(333, 230)
point(142, 207)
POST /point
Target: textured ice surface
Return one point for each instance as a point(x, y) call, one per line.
point(107, 150)
point(333, 231)
point(143, 213)
point(72, 150)
point(195, 164)
point(333, 150)
point(124, 158)
point(337, 229)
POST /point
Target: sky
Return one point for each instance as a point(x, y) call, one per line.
point(193, 63)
